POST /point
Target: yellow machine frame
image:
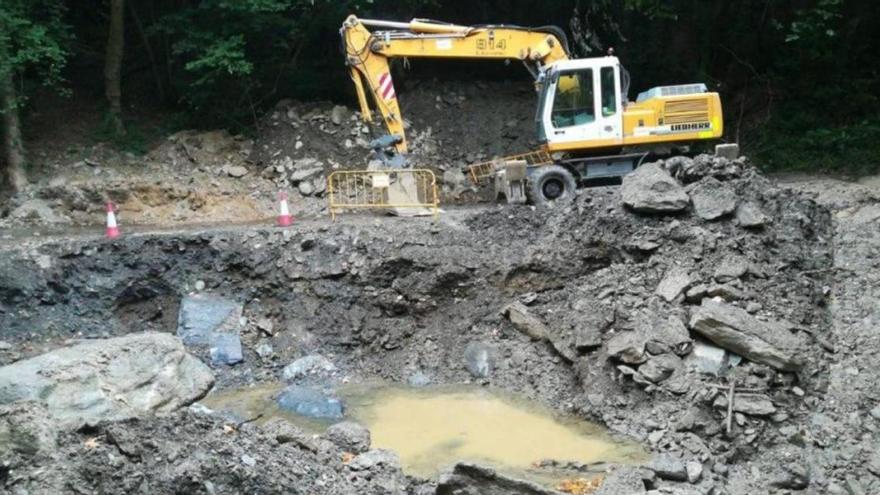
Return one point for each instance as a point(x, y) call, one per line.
point(655, 121)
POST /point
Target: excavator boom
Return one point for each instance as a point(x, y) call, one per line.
point(368, 52)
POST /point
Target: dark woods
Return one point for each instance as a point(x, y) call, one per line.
point(798, 78)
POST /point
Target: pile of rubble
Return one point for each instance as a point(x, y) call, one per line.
point(690, 309)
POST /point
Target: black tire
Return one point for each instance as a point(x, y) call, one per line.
point(551, 183)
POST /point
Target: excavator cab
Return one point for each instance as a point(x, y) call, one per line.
point(580, 103)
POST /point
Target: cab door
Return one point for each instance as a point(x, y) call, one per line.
point(609, 116)
point(582, 107)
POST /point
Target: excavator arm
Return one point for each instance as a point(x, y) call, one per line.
point(367, 55)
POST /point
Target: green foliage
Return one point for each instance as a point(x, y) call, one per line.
point(33, 39)
point(135, 139)
point(236, 54)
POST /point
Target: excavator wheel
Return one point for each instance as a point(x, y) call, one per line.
point(551, 183)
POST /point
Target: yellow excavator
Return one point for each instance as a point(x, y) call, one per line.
point(586, 126)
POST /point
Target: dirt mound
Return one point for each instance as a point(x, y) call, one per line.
point(447, 124)
point(193, 453)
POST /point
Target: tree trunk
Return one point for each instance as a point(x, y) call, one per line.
point(160, 88)
point(113, 63)
point(13, 148)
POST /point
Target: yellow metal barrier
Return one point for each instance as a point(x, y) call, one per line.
point(408, 191)
point(485, 170)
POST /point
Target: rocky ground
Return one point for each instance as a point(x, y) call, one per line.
point(639, 307)
point(213, 177)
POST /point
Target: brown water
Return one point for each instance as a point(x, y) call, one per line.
point(433, 428)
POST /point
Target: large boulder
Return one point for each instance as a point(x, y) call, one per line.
point(734, 329)
point(650, 189)
point(108, 379)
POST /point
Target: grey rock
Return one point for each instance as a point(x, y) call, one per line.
point(313, 364)
point(306, 188)
point(283, 431)
point(874, 462)
point(467, 478)
point(264, 350)
point(875, 412)
point(623, 480)
point(37, 210)
point(712, 199)
point(225, 348)
point(664, 335)
point(659, 368)
point(525, 322)
point(694, 471)
point(349, 436)
point(266, 326)
point(749, 216)
point(479, 359)
point(726, 292)
point(454, 178)
point(707, 358)
point(696, 293)
point(248, 460)
point(668, 467)
point(305, 174)
point(587, 336)
point(418, 379)
point(731, 268)
point(236, 171)
point(338, 114)
point(729, 151)
point(853, 486)
point(676, 281)
point(203, 315)
point(627, 347)
point(751, 404)
point(736, 330)
point(27, 429)
point(374, 458)
point(110, 379)
point(649, 189)
point(310, 402)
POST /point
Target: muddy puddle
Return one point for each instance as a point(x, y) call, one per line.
point(434, 427)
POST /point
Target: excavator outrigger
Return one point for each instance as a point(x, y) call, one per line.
point(585, 124)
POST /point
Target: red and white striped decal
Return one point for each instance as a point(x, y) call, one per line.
point(386, 87)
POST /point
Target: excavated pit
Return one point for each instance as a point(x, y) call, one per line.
point(542, 295)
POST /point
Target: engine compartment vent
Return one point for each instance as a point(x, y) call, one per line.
point(676, 90)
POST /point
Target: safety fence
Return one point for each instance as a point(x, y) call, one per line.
point(408, 192)
point(484, 170)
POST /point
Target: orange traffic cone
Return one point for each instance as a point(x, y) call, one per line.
point(284, 216)
point(112, 228)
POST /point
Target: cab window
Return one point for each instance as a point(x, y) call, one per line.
point(609, 91)
point(573, 102)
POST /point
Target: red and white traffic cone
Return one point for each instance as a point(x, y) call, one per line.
point(284, 216)
point(112, 228)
